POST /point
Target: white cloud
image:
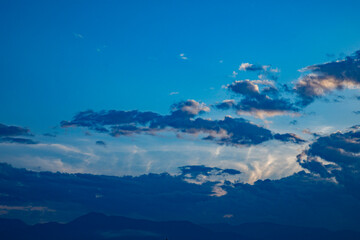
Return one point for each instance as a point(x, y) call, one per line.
point(183, 57)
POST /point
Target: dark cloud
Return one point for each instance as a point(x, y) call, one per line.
point(289, 137)
point(327, 77)
point(49, 135)
point(100, 143)
point(196, 170)
point(246, 87)
point(319, 203)
point(229, 131)
point(356, 112)
point(255, 101)
point(293, 122)
point(7, 131)
point(330, 55)
point(8, 134)
point(17, 140)
point(336, 156)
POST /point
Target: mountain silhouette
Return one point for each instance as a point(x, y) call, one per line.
point(98, 226)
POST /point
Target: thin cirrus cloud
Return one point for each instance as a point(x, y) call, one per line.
point(182, 119)
point(327, 77)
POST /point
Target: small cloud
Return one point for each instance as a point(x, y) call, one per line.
point(228, 216)
point(234, 74)
point(221, 61)
point(78, 36)
point(100, 143)
point(49, 135)
point(293, 122)
point(174, 93)
point(101, 49)
point(183, 57)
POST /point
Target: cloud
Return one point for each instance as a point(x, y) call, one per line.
point(260, 102)
point(293, 122)
point(25, 208)
point(6, 131)
point(183, 57)
point(252, 67)
point(78, 36)
point(336, 156)
point(265, 70)
point(9, 134)
point(173, 93)
point(100, 143)
point(317, 200)
point(17, 140)
point(190, 108)
point(327, 77)
point(49, 135)
point(200, 174)
point(229, 131)
point(196, 170)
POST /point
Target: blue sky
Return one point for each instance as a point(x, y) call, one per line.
point(59, 58)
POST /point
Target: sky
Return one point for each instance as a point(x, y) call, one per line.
point(136, 87)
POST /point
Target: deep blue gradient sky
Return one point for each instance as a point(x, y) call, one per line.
point(61, 57)
point(128, 55)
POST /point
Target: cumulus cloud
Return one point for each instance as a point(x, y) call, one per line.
point(182, 119)
point(261, 103)
point(190, 108)
point(327, 77)
point(337, 157)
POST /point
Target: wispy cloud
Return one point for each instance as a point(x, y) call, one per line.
point(78, 36)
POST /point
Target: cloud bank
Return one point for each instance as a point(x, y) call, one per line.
point(182, 119)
